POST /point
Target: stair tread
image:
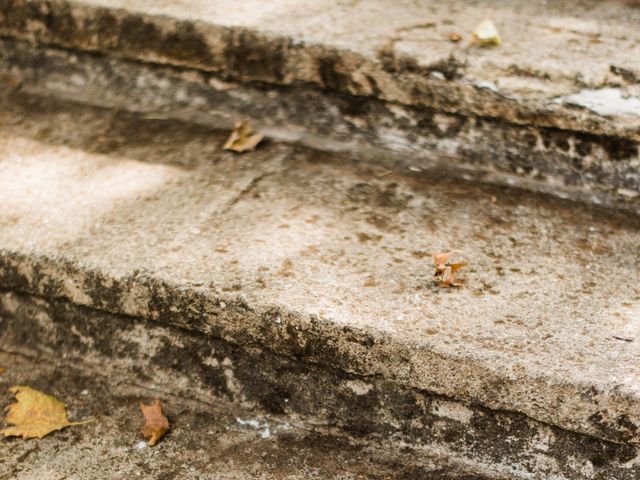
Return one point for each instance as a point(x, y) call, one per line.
point(334, 255)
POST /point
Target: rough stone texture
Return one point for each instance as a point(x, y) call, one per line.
point(591, 168)
point(210, 438)
point(369, 409)
point(309, 255)
point(557, 64)
point(384, 48)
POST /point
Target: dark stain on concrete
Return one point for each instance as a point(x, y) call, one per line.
point(251, 56)
point(286, 384)
point(332, 73)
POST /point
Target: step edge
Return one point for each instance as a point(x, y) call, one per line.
point(364, 352)
point(76, 24)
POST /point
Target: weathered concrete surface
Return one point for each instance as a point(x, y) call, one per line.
point(210, 438)
point(311, 256)
point(557, 102)
point(596, 169)
point(386, 48)
point(371, 410)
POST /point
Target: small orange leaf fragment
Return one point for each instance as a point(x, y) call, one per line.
point(457, 266)
point(441, 260)
point(242, 138)
point(35, 414)
point(156, 424)
point(445, 270)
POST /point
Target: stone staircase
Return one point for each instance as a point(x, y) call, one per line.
point(284, 299)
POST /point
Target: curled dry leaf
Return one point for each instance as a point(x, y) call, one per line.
point(448, 278)
point(242, 138)
point(445, 270)
point(485, 34)
point(156, 424)
point(441, 260)
point(35, 414)
point(454, 37)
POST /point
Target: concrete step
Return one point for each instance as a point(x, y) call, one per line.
point(300, 282)
point(555, 108)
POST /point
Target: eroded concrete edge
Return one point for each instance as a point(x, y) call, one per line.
point(589, 409)
point(246, 55)
point(369, 408)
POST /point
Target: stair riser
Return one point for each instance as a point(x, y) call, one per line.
point(193, 364)
point(593, 168)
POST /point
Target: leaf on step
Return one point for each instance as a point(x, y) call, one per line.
point(156, 424)
point(449, 275)
point(35, 414)
point(485, 34)
point(242, 138)
point(445, 270)
point(441, 260)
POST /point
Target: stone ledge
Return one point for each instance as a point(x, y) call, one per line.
point(390, 50)
point(312, 256)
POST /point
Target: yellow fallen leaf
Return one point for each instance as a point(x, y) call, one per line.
point(242, 139)
point(486, 34)
point(156, 424)
point(35, 414)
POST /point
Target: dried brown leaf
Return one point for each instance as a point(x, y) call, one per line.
point(447, 278)
point(446, 271)
point(156, 424)
point(441, 259)
point(454, 37)
point(457, 266)
point(35, 414)
point(242, 138)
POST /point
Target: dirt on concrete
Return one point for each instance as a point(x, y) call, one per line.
point(392, 50)
point(298, 284)
point(213, 439)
